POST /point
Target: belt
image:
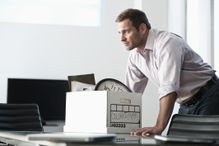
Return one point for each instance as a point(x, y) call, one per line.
point(194, 99)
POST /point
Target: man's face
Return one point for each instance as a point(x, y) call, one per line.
point(129, 35)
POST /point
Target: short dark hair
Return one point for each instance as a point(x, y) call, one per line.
point(135, 16)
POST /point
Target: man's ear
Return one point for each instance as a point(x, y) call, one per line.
point(143, 28)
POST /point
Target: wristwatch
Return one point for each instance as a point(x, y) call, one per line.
point(111, 84)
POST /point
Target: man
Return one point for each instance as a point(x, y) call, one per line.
point(167, 60)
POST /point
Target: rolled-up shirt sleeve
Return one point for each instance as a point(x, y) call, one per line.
point(169, 66)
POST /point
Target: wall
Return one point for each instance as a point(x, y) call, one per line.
point(54, 51)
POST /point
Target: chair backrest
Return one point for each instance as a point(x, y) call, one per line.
point(20, 117)
point(194, 126)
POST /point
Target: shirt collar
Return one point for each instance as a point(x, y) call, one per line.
point(150, 40)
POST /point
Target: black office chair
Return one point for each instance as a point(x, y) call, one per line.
point(20, 117)
point(194, 126)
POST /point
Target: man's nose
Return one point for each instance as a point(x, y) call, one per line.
point(122, 38)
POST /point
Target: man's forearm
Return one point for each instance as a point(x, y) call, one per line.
point(166, 108)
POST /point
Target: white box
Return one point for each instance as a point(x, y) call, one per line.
point(102, 112)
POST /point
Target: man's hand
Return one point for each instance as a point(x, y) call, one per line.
point(147, 131)
point(166, 107)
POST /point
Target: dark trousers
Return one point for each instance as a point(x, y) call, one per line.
point(207, 104)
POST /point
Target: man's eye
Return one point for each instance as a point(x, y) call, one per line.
point(126, 32)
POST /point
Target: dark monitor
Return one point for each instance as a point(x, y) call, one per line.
point(49, 94)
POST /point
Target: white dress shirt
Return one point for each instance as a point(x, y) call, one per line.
point(170, 63)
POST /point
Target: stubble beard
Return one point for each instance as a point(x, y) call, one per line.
point(129, 48)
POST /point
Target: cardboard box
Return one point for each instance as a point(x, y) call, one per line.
point(102, 112)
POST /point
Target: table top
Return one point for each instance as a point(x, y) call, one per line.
point(121, 139)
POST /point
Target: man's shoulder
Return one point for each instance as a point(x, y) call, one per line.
point(160, 33)
point(157, 31)
point(163, 34)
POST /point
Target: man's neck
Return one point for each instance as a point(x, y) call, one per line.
point(141, 48)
